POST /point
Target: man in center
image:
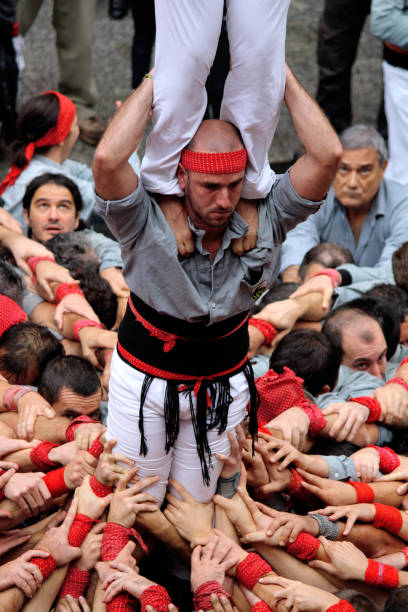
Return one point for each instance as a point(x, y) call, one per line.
point(180, 378)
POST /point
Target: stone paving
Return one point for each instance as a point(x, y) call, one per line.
point(111, 61)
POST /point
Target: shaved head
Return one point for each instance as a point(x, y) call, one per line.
point(216, 136)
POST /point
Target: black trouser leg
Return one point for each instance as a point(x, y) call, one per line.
point(339, 33)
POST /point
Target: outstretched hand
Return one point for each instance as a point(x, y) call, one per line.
point(191, 518)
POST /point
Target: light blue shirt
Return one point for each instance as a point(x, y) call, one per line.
point(389, 21)
point(77, 172)
point(383, 231)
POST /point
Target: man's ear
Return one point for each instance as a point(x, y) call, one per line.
point(182, 176)
point(76, 221)
point(26, 217)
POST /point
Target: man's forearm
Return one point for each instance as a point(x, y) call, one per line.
point(11, 600)
point(313, 173)
point(114, 177)
point(310, 307)
point(51, 430)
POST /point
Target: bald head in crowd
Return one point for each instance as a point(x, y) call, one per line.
point(361, 340)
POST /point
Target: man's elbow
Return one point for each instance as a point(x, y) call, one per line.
point(103, 161)
point(335, 153)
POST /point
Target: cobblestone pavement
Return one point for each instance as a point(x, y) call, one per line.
point(111, 61)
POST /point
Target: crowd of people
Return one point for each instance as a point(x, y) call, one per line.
point(205, 406)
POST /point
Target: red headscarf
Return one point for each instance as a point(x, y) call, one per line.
point(54, 136)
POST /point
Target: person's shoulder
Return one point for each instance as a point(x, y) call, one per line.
point(394, 192)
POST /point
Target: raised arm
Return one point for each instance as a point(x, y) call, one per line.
point(312, 174)
point(114, 176)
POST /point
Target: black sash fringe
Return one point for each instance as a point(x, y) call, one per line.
point(204, 417)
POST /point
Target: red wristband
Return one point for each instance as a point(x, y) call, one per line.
point(334, 275)
point(262, 606)
point(123, 602)
point(99, 489)
point(381, 574)
point(403, 362)
point(46, 565)
point(155, 596)
point(202, 595)
point(315, 416)
point(12, 394)
point(81, 323)
point(341, 606)
point(34, 261)
point(304, 547)
point(365, 494)
point(115, 537)
point(389, 459)
point(55, 482)
point(39, 456)
point(80, 528)
point(266, 328)
point(96, 448)
point(65, 289)
point(372, 404)
point(397, 381)
point(69, 433)
point(387, 517)
point(75, 583)
point(251, 569)
point(295, 484)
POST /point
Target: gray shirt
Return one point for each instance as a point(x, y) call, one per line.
point(383, 230)
point(197, 288)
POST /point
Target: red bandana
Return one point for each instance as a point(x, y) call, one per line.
point(54, 136)
point(214, 163)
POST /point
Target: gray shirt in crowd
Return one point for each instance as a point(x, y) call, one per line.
point(197, 288)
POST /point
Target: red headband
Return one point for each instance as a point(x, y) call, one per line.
point(214, 163)
point(54, 136)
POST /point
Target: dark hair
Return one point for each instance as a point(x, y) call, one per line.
point(25, 346)
point(277, 293)
point(311, 356)
point(54, 179)
point(100, 296)
point(35, 118)
point(400, 265)
point(329, 254)
point(11, 284)
point(397, 600)
point(68, 371)
point(72, 250)
point(374, 307)
point(399, 441)
point(328, 446)
point(396, 296)
point(361, 602)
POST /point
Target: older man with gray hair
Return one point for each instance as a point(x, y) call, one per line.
point(364, 212)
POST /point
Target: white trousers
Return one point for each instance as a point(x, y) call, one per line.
point(396, 110)
point(187, 33)
point(182, 461)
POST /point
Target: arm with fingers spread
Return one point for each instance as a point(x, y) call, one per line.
point(331, 491)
